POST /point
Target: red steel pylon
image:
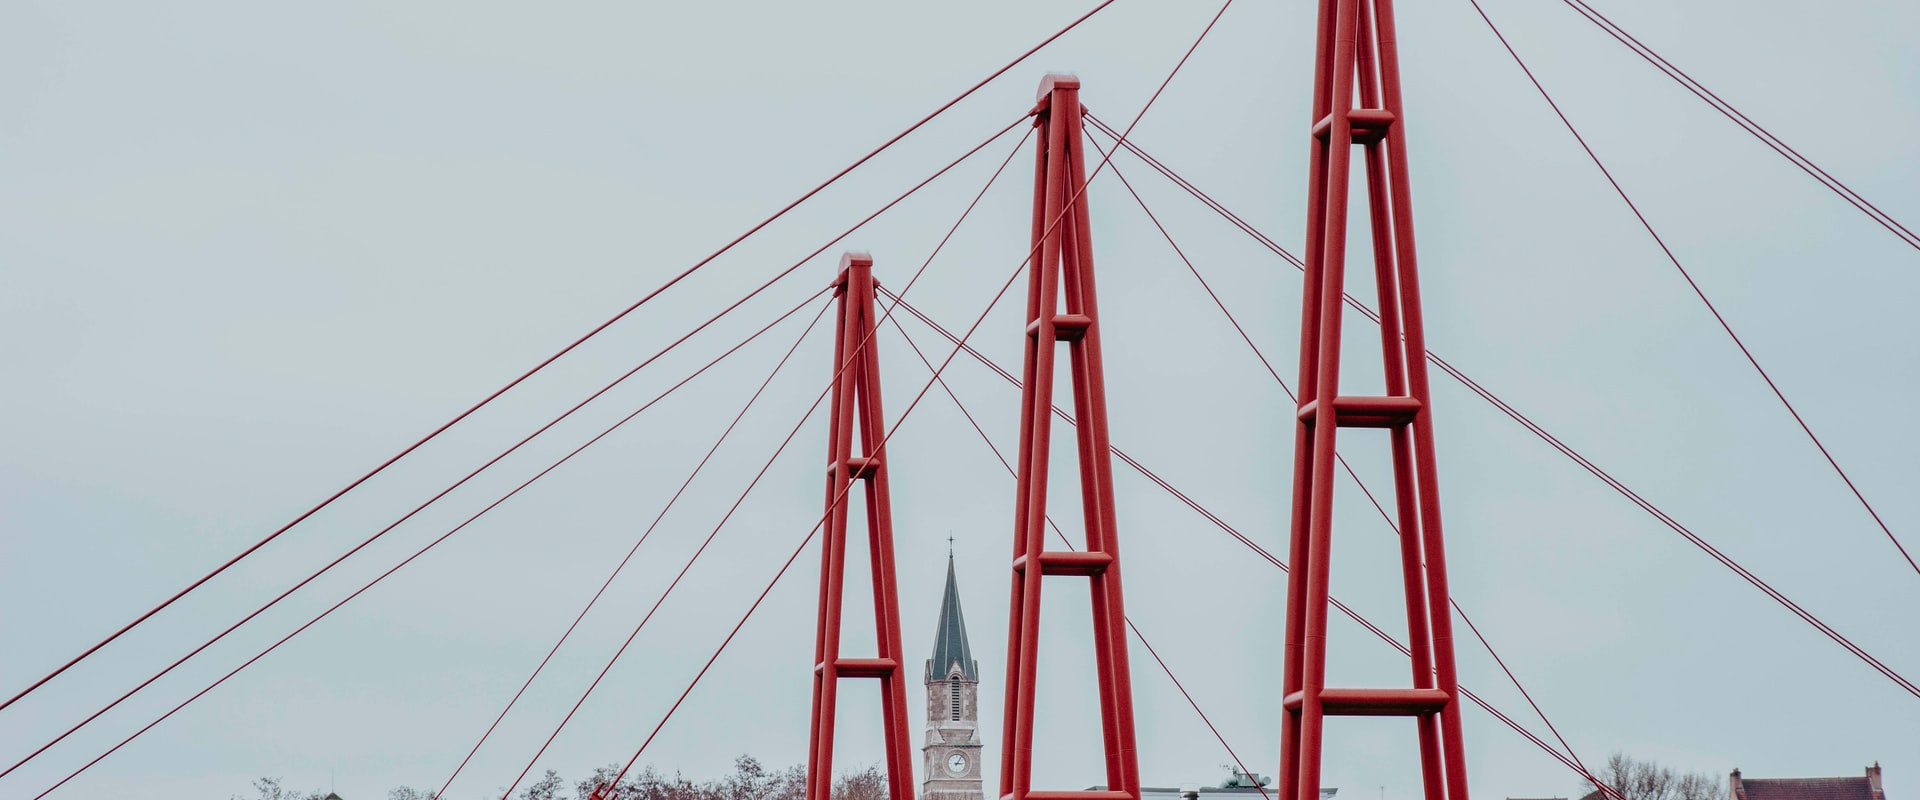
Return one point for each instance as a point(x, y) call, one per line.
point(1061, 310)
point(1355, 54)
point(856, 414)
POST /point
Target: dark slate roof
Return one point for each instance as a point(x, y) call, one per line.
point(950, 637)
point(1807, 788)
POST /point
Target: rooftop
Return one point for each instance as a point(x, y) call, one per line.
point(950, 637)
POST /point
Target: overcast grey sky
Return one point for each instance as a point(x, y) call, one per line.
point(251, 250)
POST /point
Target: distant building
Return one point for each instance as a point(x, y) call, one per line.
point(952, 749)
point(1865, 787)
point(951, 752)
point(1238, 786)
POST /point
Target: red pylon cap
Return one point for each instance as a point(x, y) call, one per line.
point(1057, 80)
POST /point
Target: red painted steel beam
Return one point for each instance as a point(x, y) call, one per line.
point(1356, 62)
point(857, 425)
point(1067, 563)
point(1062, 311)
point(1372, 702)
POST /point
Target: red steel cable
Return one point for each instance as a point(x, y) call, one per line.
point(711, 659)
point(988, 440)
point(1677, 527)
point(1218, 303)
point(1271, 559)
point(696, 555)
point(1009, 283)
point(516, 446)
point(563, 351)
point(915, 403)
point(1484, 644)
point(315, 575)
point(1697, 291)
point(936, 251)
point(1746, 123)
point(1388, 518)
point(1551, 440)
point(1196, 706)
point(395, 568)
point(960, 344)
point(644, 535)
point(396, 523)
point(796, 553)
point(1203, 197)
point(671, 585)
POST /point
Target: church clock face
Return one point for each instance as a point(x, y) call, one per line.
point(957, 763)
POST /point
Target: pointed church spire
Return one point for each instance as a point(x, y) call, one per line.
point(950, 637)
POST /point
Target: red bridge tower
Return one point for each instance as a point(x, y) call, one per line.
point(1355, 55)
point(855, 414)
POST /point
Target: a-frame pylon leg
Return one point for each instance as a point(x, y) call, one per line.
point(857, 426)
point(1356, 55)
point(1061, 310)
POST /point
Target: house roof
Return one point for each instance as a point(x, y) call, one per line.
point(1859, 788)
point(950, 637)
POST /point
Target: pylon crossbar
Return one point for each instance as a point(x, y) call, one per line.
point(1355, 61)
point(856, 437)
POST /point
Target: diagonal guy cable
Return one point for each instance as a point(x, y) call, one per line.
point(250, 550)
point(960, 344)
point(696, 471)
point(1746, 123)
point(644, 535)
point(1513, 413)
point(804, 542)
point(391, 570)
point(531, 436)
point(1697, 291)
point(716, 531)
point(1267, 556)
point(1348, 468)
point(995, 449)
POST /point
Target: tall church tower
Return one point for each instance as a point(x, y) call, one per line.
point(952, 751)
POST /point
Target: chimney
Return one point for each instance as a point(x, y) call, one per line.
point(1735, 789)
point(1873, 780)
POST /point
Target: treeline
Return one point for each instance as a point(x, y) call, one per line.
point(750, 780)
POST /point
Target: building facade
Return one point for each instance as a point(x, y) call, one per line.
point(1862, 787)
point(951, 754)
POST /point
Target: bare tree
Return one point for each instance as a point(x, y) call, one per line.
point(1634, 779)
point(547, 788)
point(866, 784)
point(270, 789)
point(649, 784)
point(753, 781)
point(750, 780)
